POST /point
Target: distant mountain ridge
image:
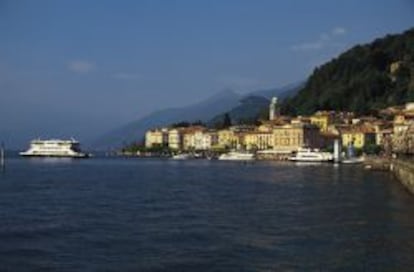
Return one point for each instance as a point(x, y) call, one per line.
point(363, 79)
point(135, 131)
point(239, 106)
point(255, 105)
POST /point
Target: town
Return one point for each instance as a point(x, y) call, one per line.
point(278, 137)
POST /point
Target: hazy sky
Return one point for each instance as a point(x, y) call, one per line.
point(82, 67)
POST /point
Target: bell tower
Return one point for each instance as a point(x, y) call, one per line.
point(273, 111)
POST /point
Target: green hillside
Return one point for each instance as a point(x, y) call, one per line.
point(363, 79)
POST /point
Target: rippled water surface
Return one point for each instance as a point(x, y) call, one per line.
point(160, 215)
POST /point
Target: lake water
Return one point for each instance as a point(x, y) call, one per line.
point(161, 215)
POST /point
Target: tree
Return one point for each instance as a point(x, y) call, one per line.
point(359, 79)
point(226, 120)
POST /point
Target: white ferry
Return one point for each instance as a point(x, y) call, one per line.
point(236, 156)
point(311, 155)
point(54, 148)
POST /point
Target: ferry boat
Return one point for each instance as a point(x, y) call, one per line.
point(54, 148)
point(311, 155)
point(236, 156)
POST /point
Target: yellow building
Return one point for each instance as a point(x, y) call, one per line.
point(293, 136)
point(358, 136)
point(193, 138)
point(265, 127)
point(175, 138)
point(322, 119)
point(156, 137)
point(227, 138)
point(258, 140)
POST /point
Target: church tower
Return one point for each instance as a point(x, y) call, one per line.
point(273, 111)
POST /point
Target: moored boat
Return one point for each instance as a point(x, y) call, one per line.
point(182, 156)
point(311, 155)
point(236, 156)
point(54, 148)
point(354, 160)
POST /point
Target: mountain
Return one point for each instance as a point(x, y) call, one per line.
point(211, 110)
point(135, 130)
point(282, 93)
point(363, 79)
point(255, 105)
point(249, 109)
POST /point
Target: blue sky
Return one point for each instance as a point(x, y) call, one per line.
point(83, 67)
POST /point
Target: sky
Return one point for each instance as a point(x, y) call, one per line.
point(80, 68)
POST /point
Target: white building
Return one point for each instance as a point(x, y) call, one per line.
point(175, 138)
point(209, 140)
point(156, 137)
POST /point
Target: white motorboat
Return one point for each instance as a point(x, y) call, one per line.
point(54, 148)
point(353, 160)
point(236, 156)
point(311, 155)
point(182, 156)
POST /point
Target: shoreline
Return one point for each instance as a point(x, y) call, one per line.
point(402, 169)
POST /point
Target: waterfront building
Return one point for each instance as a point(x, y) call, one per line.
point(404, 141)
point(402, 138)
point(210, 140)
point(156, 137)
point(226, 138)
point(382, 130)
point(193, 138)
point(258, 140)
point(175, 138)
point(323, 119)
point(233, 137)
point(300, 120)
point(358, 135)
point(291, 137)
point(344, 117)
point(403, 132)
point(267, 125)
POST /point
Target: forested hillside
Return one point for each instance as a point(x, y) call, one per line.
point(363, 79)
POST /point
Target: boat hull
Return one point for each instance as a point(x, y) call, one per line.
point(236, 157)
point(310, 160)
point(181, 157)
point(353, 161)
point(311, 155)
point(55, 148)
point(78, 156)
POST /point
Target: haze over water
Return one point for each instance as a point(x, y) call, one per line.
point(162, 215)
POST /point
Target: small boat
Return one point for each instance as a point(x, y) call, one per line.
point(354, 160)
point(311, 155)
point(236, 156)
point(182, 156)
point(54, 148)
